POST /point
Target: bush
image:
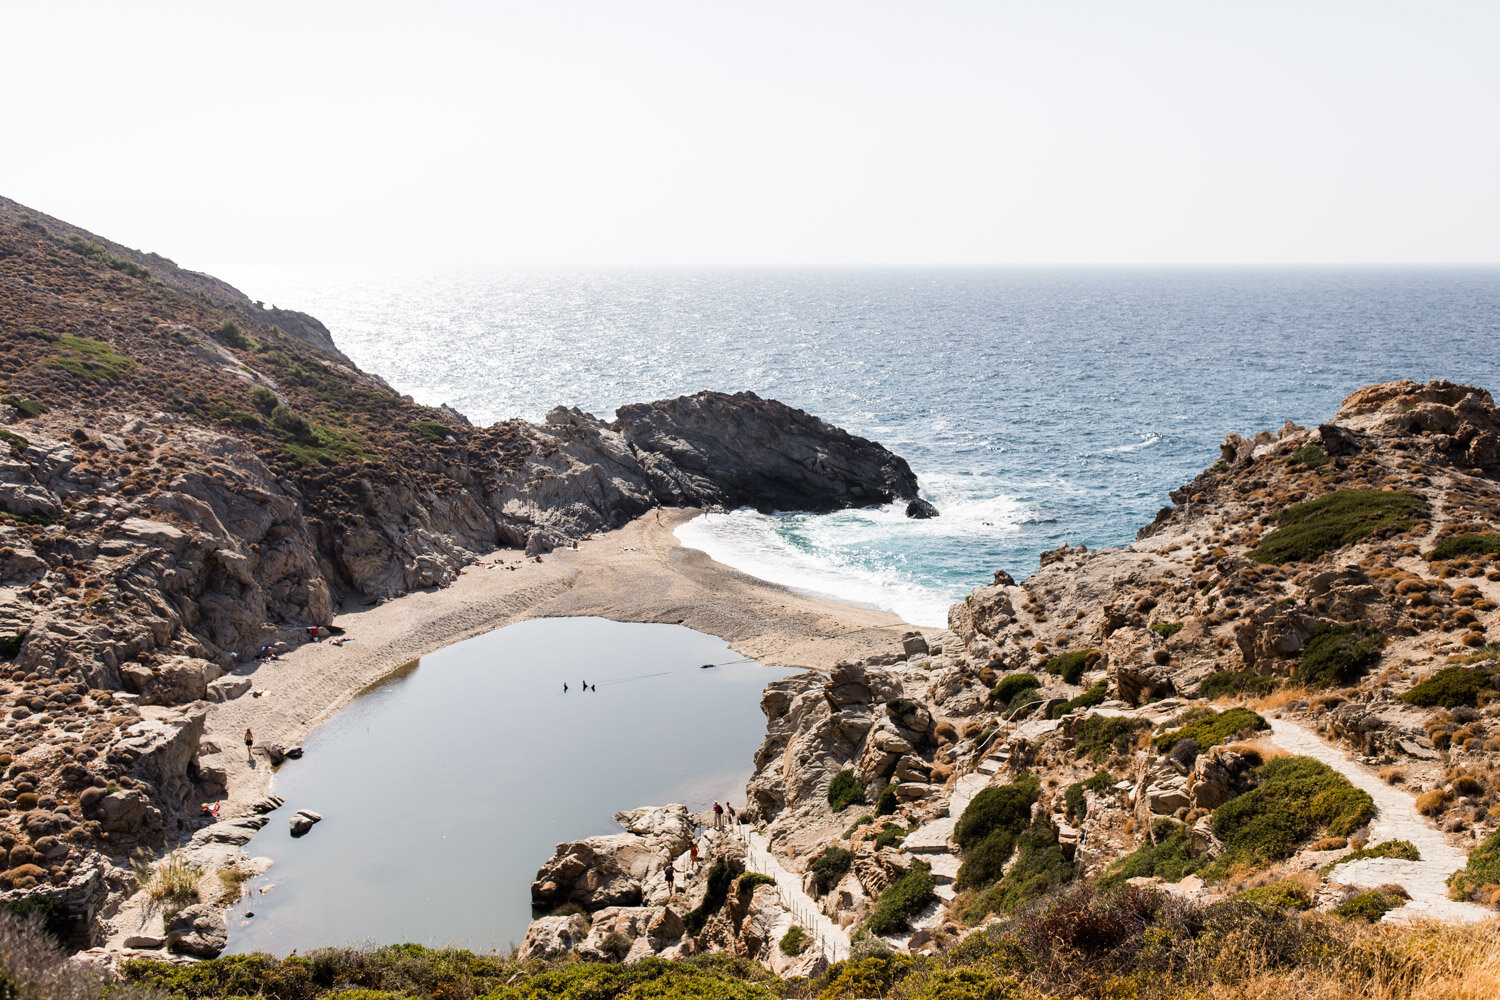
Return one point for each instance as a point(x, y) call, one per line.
point(902, 900)
point(1451, 687)
point(1235, 682)
point(92, 360)
point(794, 942)
point(1098, 735)
point(901, 707)
point(1070, 666)
point(1338, 654)
point(1311, 456)
point(830, 866)
point(1213, 729)
point(1040, 867)
point(1013, 684)
point(864, 820)
point(1295, 798)
point(431, 430)
point(890, 835)
point(1096, 695)
point(1284, 895)
point(1166, 853)
point(1167, 629)
point(749, 882)
point(1486, 543)
point(1341, 518)
point(1002, 807)
point(265, 399)
point(1478, 878)
point(1403, 850)
point(1074, 801)
point(18, 444)
point(28, 408)
point(720, 875)
point(231, 335)
point(886, 804)
point(1369, 906)
point(844, 790)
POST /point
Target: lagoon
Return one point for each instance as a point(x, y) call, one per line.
point(445, 787)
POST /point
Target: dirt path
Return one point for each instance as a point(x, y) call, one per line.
point(1396, 818)
point(831, 938)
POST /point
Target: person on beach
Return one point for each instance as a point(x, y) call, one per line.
point(250, 745)
point(718, 814)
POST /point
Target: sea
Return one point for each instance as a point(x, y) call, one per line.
point(1036, 406)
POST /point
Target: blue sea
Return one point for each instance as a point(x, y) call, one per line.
point(1036, 406)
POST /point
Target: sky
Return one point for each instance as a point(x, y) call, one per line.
point(446, 133)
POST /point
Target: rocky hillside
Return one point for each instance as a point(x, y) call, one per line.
point(186, 477)
point(1285, 695)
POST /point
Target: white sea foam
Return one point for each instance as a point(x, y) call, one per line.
point(870, 557)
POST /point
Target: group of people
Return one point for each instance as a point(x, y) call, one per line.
point(720, 811)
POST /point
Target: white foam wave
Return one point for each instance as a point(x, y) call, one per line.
point(1145, 442)
point(855, 556)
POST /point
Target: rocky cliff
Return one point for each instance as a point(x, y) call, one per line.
point(1285, 693)
point(186, 477)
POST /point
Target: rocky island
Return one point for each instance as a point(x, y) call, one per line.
point(1254, 751)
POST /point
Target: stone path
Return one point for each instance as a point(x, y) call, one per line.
point(831, 938)
point(1396, 818)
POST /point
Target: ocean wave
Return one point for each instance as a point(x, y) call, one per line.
point(1145, 442)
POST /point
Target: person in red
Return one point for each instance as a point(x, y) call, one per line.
point(693, 855)
point(718, 814)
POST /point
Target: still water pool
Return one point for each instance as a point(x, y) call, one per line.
point(444, 788)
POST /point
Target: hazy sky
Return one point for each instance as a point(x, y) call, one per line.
point(395, 134)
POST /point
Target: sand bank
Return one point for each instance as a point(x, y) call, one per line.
point(639, 573)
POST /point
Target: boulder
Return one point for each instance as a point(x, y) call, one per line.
point(551, 937)
point(303, 821)
point(123, 811)
point(197, 930)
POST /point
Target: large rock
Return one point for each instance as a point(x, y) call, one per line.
point(612, 870)
point(197, 930)
point(631, 933)
point(552, 937)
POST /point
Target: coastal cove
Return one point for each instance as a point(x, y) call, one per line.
point(445, 788)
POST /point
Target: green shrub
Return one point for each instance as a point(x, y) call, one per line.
point(1481, 874)
point(1213, 729)
point(1403, 850)
point(1167, 629)
point(17, 443)
point(720, 875)
point(794, 942)
point(1486, 543)
point(844, 790)
point(1039, 868)
point(886, 804)
point(1074, 801)
point(999, 807)
point(1451, 687)
point(1226, 683)
point(1013, 684)
point(1295, 798)
point(830, 866)
point(1166, 853)
point(1311, 456)
point(1098, 735)
point(231, 335)
point(1369, 906)
point(431, 430)
point(1069, 666)
point(902, 900)
point(901, 707)
point(890, 835)
point(1096, 695)
point(748, 882)
point(1341, 518)
point(1338, 654)
point(28, 408)
point(92, 360)
point(987, 830)
point(864, 820)
point(265, 399)
point(1284, 895)
point(113, 261)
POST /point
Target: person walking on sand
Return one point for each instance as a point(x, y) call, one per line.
point(718, 814)
point(250, 745)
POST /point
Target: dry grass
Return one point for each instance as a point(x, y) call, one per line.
point(1275, 700)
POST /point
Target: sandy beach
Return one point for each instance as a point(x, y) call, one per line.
point(639, 573)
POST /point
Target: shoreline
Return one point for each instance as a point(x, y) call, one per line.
point(638, 573)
